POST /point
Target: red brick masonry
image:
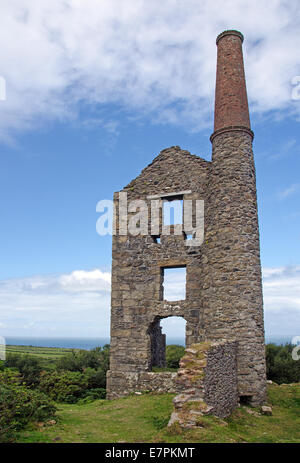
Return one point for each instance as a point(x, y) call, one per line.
point(231, 103)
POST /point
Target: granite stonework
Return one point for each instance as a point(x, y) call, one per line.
point(223, 275)
point(232, 285)
point(129, 382)
point(208, 379)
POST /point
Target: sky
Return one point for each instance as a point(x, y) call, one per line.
point(94, 90)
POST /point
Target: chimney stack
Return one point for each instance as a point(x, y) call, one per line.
point(232, 290)
point(231, 103)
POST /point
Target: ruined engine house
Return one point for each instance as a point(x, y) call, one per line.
point(223, 271)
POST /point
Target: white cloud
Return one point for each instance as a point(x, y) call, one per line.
point(174, 327)
point(174, 284)
point(72, 304)
point(289, 191)
point(282, 289)
point(152, 57)
point(79, 303)
point(80, 280)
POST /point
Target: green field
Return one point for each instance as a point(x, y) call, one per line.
point(47, 355)
point(42, 352)
point(144, 419)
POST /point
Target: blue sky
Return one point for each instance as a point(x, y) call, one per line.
point(93, 94)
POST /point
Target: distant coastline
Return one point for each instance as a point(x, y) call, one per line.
point(90, 343)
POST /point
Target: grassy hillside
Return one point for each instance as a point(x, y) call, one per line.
point(47, 356)
point(42, 352)
point(144, 419)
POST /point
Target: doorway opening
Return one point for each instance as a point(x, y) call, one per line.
point(167, 341)
point(245, 400)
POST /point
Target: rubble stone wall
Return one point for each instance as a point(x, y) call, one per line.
point(208, 379)
point(220, 378)
point(124, 383)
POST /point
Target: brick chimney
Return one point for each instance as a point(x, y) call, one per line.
point(231, 103)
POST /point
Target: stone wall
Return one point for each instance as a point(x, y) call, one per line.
point(232, 287)
point(137, 303)
point(158, 345)
point(220, 378)
point(124, 383)
point(208, 379)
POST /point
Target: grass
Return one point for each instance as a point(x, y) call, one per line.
point(42, 352)
point(47, 355)
point(144, 419)
point(164, 369)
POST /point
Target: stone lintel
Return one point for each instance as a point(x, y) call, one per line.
point(167, 195)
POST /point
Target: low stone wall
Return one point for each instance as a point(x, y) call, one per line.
point(127, 382)
point(208, 377)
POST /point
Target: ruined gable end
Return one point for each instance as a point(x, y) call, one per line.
point(173, 169)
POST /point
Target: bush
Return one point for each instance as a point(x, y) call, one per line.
point(29, 367)
point(20, 405)
point(173, 354)
point(80, 360)
point(63, 386)
point(281, 368)
point(95, 378)
point(76, 373)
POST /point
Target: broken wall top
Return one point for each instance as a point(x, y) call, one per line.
point(172, 170)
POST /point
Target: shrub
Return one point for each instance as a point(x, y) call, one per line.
point(80, 360)
point(173, 354)
point(29, 367)
point(95, 378)
point(20, 405)
point(63, 386)
point(281, 367)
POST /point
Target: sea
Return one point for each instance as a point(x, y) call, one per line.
point(90, 343)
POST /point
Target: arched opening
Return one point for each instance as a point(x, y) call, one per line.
point(167, 343)
point(174, 329)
